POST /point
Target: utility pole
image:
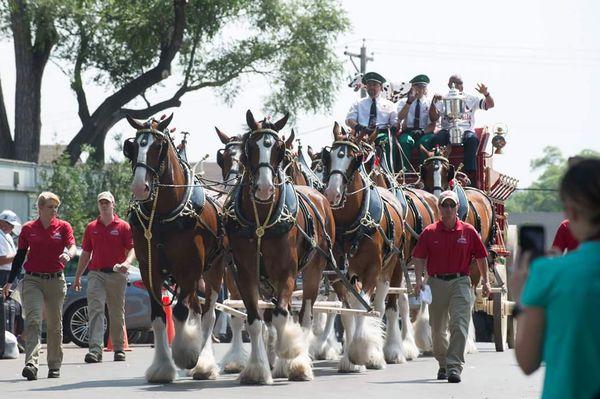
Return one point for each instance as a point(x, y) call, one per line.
point(363, 62)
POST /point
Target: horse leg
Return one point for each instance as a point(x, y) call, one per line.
point(257, 370)
point(409, 347)
point(423, 337)
point(392, 348)
point(188, 342)
point(292, 349)
point(366, 347)
point(325, 346)
point(162, 369)
point(236, 357)
point(206, 368)
point(345, 365)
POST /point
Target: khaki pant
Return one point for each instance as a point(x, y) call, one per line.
point(47, 296)
point(450, 308)
point(106, 289)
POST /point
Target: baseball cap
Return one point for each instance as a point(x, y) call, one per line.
point(448, 195)
point(10, 217)
point(106, 195)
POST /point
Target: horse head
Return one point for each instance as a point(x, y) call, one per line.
point(263, 152)
point(341, 161)
point(436, 173)
point(229, 158)
point(148, 152)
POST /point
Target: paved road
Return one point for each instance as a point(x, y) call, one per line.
point(487, 374)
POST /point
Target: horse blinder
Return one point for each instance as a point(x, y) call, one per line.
point(451, 172)
point(129, 149)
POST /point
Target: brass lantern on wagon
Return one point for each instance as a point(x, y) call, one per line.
point(454, 107)
point(498, 142)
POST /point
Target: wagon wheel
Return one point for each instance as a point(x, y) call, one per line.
point(511, 332)
point(500, 322)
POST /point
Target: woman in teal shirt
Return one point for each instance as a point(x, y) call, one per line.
point(559, 323)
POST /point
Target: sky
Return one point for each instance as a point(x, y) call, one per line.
point(539, 59)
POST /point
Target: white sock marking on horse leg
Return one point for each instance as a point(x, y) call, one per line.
point(257, 369)
point(367, 344)
point(236, 357)
point(188, 342)
point(423, 330)
point(380, 293)
point(409, 347)
point(392, 349)
point(345, 365)
point(162, 369)
point(292, 350)
point(206, 368)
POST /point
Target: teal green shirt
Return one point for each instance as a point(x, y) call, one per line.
point(568, 289)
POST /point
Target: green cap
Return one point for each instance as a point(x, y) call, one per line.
point(373, 76)
point(420, 79)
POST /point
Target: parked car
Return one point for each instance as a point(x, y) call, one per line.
point(75, 312)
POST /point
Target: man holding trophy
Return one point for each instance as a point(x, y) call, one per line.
point(458, 123)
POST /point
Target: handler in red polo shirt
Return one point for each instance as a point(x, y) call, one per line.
point(51, 245)
point(564, 240)
point(108, 242)
point(448, 247)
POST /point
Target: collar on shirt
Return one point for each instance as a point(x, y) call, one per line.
point(458, 226)
point(115, 220)
point(53, 223)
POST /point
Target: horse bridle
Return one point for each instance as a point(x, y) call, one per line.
point(161, 161)
point(434, 159)
point(234, 170)
point(330, 172)
point(253, 170)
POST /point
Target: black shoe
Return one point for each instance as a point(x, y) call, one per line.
point(54, 373)
point(454, 376)
point(442, 374)
point(29, 372)
point(119, 356)
point(93, 357)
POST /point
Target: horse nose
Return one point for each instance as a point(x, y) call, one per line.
point(333, 196)
point(140, 191)
point(264, 192)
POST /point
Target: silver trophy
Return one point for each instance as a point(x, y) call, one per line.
point(454, 107)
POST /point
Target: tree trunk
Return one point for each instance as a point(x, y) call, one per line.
point(30, 60)
point(7, 145)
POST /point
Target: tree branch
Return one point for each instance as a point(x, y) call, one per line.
point(7, 144)
point(77, 84)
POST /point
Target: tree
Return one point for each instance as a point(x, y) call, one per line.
point(543, 193)
point(130, 47)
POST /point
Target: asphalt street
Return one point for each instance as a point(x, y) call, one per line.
point(487, 374)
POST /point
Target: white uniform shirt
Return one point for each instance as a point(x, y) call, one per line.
point(7, 248)
point(409, 121)
point(386, 112)
point(467, 122)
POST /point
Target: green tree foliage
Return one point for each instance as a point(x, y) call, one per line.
point(543, 196)
point(131, 46)
point(79, 185)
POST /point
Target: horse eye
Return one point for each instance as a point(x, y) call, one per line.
point(341, 154)
point(267, 143)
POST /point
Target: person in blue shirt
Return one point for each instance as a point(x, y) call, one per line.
point(558, 321)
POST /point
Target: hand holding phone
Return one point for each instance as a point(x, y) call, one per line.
point(531, 246)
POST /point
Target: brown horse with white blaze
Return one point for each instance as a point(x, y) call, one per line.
point(369, 239)
point(177, 238)
point(275, 230)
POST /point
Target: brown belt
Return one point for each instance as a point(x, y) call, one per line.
point(45, 276)
point(450, 276)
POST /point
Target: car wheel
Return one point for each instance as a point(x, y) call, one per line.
point(76, 324)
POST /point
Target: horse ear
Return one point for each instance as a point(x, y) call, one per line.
point(311, 154)
point(129, 149)
point(164, 123)
point(290, 141)
point(220, 158)
point(222, 136)
point(134, 124)
point(451, 172)
point(252, 124)
point(281, 123)
point(337, 131)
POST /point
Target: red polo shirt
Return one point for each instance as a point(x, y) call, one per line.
point(449, 250)
point(564, 239)
point(108, 244)
point(45, 245)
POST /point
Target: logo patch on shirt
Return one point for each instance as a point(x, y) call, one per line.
point(462, 240)
point(114, 232)
point(57, 236)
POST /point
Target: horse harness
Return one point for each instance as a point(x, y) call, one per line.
point(186, 215)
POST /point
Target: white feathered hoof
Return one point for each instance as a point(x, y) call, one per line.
point(363, 351)
point(281, 368)
point(291, 342)
point(187, 343)
point(300, 369)
point(346, 366)
point(234, 360)
point(410, 349)
point(393, 353)
point(256, 373)
point(161, 372)
point(206, 369)
point(324, 349)
point(470, 346)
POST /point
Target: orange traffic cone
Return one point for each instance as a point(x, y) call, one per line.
point(169, 318)
point(109, 347)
